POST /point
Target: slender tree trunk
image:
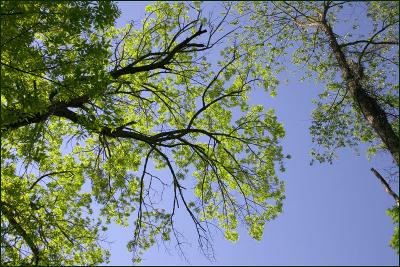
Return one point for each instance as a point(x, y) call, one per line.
point(373, 113)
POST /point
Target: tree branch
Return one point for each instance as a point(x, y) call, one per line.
point(131, 69)
point(44, 176)
point(387, 186)
point(10, 217)
point(370, 42)
point(30, 73)
point(27, 118)
point(372, 38)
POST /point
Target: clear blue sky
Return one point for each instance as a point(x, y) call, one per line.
point(333, 214)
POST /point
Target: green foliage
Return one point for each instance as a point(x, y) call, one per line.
point(281, 28)
point(336, 53)
point(85, 108)
point(48, 223)
point(87, 111)
point(394, 213)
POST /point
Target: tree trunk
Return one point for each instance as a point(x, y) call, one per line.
point(373, 113)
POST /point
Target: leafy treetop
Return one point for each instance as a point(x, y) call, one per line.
point(122, 98)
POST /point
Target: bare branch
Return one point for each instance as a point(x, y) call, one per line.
point(46, 175)
point(386, 185)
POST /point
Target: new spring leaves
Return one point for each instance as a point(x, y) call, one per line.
point(129, 102)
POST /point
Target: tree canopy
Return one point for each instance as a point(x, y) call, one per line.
point(359, 68)
point(90, 112)
point(123, 98)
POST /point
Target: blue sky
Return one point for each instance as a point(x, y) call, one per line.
point(333, 214)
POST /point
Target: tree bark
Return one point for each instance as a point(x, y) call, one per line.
point(387, 186)
point(373, 113)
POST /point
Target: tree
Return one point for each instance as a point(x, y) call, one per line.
point(359, 67)
point(86, 108)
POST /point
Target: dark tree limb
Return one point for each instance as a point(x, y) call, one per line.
point(370, 42)
point(169, 55)
point(10, 217)
point(387, 186)
point(31, 73)
point(27, 119)
point(46, 175)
